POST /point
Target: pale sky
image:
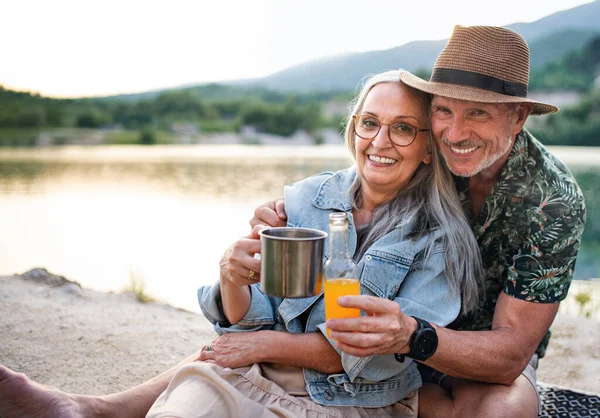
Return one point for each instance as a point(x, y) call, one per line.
point(67, 48)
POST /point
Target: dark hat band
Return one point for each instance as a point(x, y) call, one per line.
point(486, 82)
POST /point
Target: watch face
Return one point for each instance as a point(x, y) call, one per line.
point(427, 342)
point(424, 341)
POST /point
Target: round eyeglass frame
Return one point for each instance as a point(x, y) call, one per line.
point(417, 130)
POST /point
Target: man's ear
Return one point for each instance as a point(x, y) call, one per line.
point(520, 115)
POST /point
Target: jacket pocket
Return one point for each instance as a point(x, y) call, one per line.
point(383, 274)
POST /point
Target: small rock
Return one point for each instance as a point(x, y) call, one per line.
point(72, 288)
point(42, 276)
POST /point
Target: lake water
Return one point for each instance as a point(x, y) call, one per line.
point(98, 215)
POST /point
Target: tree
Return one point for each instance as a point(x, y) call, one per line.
point(147, 136)
point(92, 118)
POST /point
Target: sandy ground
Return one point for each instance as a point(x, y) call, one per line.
point(88, 342)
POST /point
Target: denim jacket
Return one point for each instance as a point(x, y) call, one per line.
point(394, 267)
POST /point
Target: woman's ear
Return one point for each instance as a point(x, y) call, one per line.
point(427, 158)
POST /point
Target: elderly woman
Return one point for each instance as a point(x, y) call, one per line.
point(408, 237)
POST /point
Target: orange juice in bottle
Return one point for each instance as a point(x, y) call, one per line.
point(341, 274)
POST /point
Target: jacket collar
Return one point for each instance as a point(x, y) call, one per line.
point(333, 192)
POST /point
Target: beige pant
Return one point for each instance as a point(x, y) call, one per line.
point(207, 390)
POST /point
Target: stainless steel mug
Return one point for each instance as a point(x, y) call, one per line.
point(291, 264)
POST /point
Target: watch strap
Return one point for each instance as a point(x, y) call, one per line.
point(421, 324)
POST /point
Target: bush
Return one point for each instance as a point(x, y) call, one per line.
point(147, 136)
point(92, 119)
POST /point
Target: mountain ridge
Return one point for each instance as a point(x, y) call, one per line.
point(568, 29)
point(548, 38)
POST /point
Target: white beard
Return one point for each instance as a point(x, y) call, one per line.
point(486, 162)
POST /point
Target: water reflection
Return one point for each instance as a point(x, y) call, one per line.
point(219, 180)
point(168, 222)
point(97, 221)
point(588, 262)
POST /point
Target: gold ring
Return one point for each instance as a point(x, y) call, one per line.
point(251, 275)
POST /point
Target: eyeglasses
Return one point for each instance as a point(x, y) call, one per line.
point(400, 133)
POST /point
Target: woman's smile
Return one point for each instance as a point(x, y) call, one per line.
point(381, 160)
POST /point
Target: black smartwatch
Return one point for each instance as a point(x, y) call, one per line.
point(423, 342)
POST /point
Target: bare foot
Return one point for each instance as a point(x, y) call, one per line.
point(22, 397)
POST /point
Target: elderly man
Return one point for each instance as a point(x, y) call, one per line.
point(527, 213)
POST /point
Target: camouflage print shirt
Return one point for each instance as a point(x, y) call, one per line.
point(528, 230)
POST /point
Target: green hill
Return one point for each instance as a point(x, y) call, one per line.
point(574, 70)
point(578, 124)
point(555, 45)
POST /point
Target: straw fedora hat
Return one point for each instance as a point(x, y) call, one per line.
point(485, 64)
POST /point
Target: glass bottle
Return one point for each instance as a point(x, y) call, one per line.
point(341, 273)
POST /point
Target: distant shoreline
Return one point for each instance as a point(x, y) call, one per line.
point(588, 156)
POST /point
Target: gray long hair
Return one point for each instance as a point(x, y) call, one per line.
point(431, 200)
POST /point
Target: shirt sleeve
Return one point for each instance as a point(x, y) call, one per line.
point(543, 267)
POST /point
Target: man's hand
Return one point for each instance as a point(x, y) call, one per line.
point(384, 329)
point(270, 214)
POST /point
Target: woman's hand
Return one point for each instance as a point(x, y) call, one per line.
point(310, 350)
point(270, 214)
point(238, 270)
point(239, 264)
point(233, 350)
point(384, 329)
